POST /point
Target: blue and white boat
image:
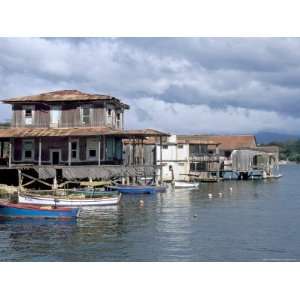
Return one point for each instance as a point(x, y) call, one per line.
point(138, 189)
point(10, 210)
point(69, 200)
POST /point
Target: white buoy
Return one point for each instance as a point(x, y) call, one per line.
point(230, 189)
point(210, 196)
point(141, 202)
point(220, 195)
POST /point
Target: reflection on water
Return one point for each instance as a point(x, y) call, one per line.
point(243, 221)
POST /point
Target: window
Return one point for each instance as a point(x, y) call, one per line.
point(74, 149)
point(201, 166)
point(192, 167)
point(28, 152)
point(109, 116)
point(28, 111)
point(92, 149)
point(165, 147)
point(118, 117)
point(197, 150)
point(86, 114)
point(180, 146)
point(92, 153)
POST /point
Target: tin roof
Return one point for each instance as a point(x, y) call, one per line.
point(226, 142)
point(76, 132)
point(64, 95)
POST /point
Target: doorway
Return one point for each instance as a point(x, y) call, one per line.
point(55, 156)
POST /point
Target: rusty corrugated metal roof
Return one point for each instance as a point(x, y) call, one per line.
point(64, 95)
point(83, 131)
point(226, 142)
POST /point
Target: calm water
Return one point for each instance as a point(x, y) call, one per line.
point(257, 221)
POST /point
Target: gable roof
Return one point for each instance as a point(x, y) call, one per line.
point(65, 96)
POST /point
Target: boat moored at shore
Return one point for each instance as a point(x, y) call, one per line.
point(68, 201)
point(10, 210)
point(138, 189)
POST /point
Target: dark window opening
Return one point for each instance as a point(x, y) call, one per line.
point(28, 154)
point(201, 166)
point(92, 153)
point(28, 113)
point(193, 167)
point(74, 145)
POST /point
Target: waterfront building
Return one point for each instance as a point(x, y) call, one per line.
point(184, 158)
point(211, 157)
point(78, 133)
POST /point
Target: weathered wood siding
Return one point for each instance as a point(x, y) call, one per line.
point(41, 116)
point(17, 116)
point(98, 115)
point(17, 147)
point(70, 115)
point(82, 148)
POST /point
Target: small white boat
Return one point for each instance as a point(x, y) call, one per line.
point(185, 184)
point(68, 201)
point(277, 176)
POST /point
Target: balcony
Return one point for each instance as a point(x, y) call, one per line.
point(75, 124)
point(198, 157)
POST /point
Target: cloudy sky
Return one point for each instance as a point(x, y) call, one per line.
point(182, 85)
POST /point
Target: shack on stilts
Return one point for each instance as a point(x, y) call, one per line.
point(70, 135)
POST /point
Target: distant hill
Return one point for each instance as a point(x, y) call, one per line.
point(4, 125)
point(269, 137)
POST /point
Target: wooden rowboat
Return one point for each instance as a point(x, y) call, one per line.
point(72, 200)
point(9, 210)
point(92, 192)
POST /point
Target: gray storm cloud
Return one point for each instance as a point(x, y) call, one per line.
point(204, 84)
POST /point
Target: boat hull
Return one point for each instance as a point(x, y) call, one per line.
point(30, 211)
point(67, 202)
point(185, 185)
point(93, 193)
point(138, 189)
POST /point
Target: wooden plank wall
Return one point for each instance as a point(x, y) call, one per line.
point(70, 115)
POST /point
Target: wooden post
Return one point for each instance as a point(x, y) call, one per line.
point(161, 166)
point(104, 148)
point(10, 153)
point(69, 151)
point(133, 151)
point(143, 153)
point(20, 179)
point(2, 149)
point(99, 151)
point(40, 151)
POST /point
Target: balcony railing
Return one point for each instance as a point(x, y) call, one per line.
point(77, 124)
point(204, 157)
